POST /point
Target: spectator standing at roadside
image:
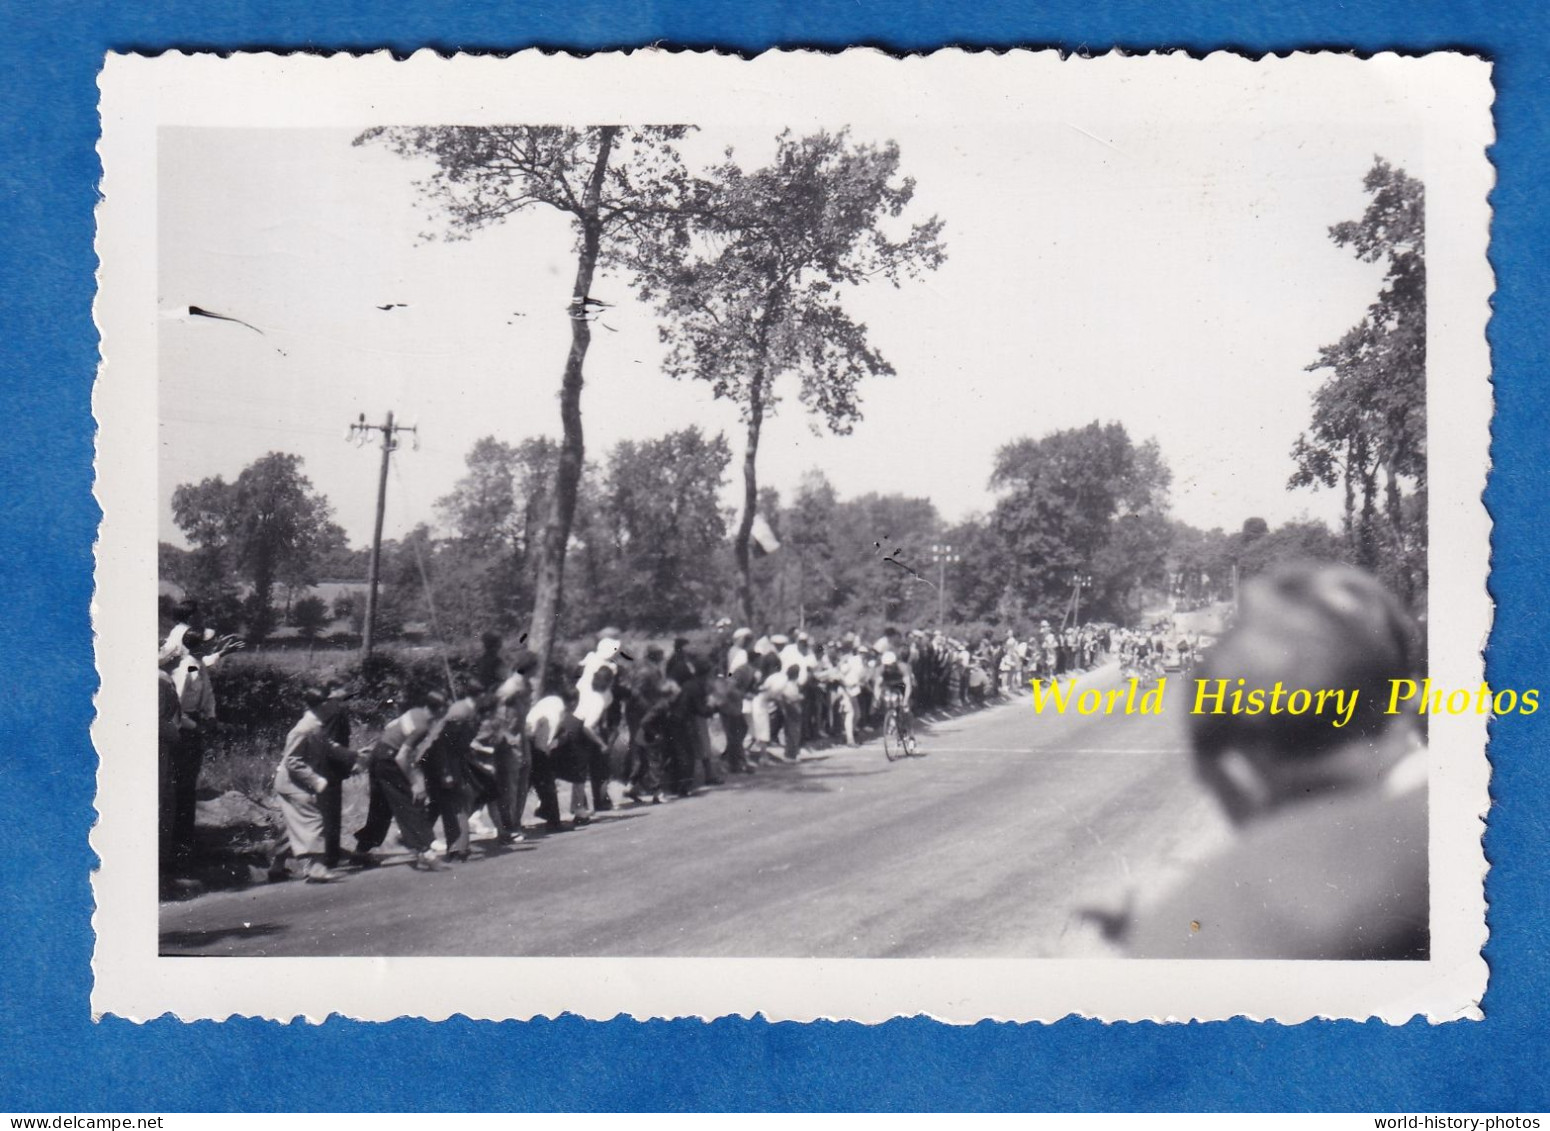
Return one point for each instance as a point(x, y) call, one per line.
point(390, 762)
point(169, 728)
point(446, 768)
point(299, 782)
point(562, 750)
point(640, 684)
point(782, 692)
point(651, 698)
point(737, 654)
point(735, 693)
point(679, 669)
point(852, 674)
point(490, 668)
point(196, 704)
point(507, 723)
point(688, 746)
point(335, 714)
point(594, 700)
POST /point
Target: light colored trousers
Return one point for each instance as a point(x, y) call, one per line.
point(303, 818)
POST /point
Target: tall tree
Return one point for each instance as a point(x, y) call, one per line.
point(1307, 540)
point(268, 525)
point(887, 539)
point(810, 524)
point(1060, 498)
point(494, 516)
point(662, 508)
point(1368, 427)
point(759, 295)
point(618, 185)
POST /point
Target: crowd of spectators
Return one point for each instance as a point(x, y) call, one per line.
point(614, 728)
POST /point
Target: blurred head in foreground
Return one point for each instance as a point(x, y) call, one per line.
point(1309, 627)
point(1330, 860)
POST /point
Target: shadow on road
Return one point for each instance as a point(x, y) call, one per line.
point(810, 775)
point(173, 941)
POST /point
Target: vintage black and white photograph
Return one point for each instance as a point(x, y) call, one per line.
point(828, 536)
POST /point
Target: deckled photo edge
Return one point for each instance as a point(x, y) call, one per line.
point(109, 402)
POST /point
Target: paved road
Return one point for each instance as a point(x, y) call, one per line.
point(988, 845)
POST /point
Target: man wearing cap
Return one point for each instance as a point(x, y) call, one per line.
point(1331, 860)
point(391, 760)
point(737, 654)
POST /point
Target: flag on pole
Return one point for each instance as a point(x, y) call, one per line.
point(763, 537)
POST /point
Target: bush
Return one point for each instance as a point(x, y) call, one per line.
point(309, 615)
point(262, 694)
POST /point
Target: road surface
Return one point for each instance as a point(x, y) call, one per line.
point(988, 845)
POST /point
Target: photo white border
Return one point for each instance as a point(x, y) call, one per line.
point(1447, 95)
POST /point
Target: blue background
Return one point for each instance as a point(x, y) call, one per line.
point(52, 1057)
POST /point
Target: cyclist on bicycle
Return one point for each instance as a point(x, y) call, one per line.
point(896, 681)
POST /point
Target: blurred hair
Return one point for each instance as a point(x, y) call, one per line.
point(1311, 627)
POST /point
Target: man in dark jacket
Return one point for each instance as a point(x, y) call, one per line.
point(446, 766)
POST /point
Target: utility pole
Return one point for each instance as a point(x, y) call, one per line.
point(942, 554)
point(360, 431)
point(1074, 611)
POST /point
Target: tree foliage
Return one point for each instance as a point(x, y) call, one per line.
point(661, 511)
point(618, 186)
point(759, 294)
point(1060, 498)
point(267, 526)
point(1368, 428)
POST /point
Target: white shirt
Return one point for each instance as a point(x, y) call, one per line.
point(192, 680)
point(591, 704)
point(543, 722)
point(805, 662)
point(853, 671)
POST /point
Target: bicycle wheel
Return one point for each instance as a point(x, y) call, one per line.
point(893, 747)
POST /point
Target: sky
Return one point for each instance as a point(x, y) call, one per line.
point(1176, 277)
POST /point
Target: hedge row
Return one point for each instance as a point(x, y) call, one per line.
point(261, 697)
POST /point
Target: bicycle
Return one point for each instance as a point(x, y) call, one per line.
point(898, 732)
